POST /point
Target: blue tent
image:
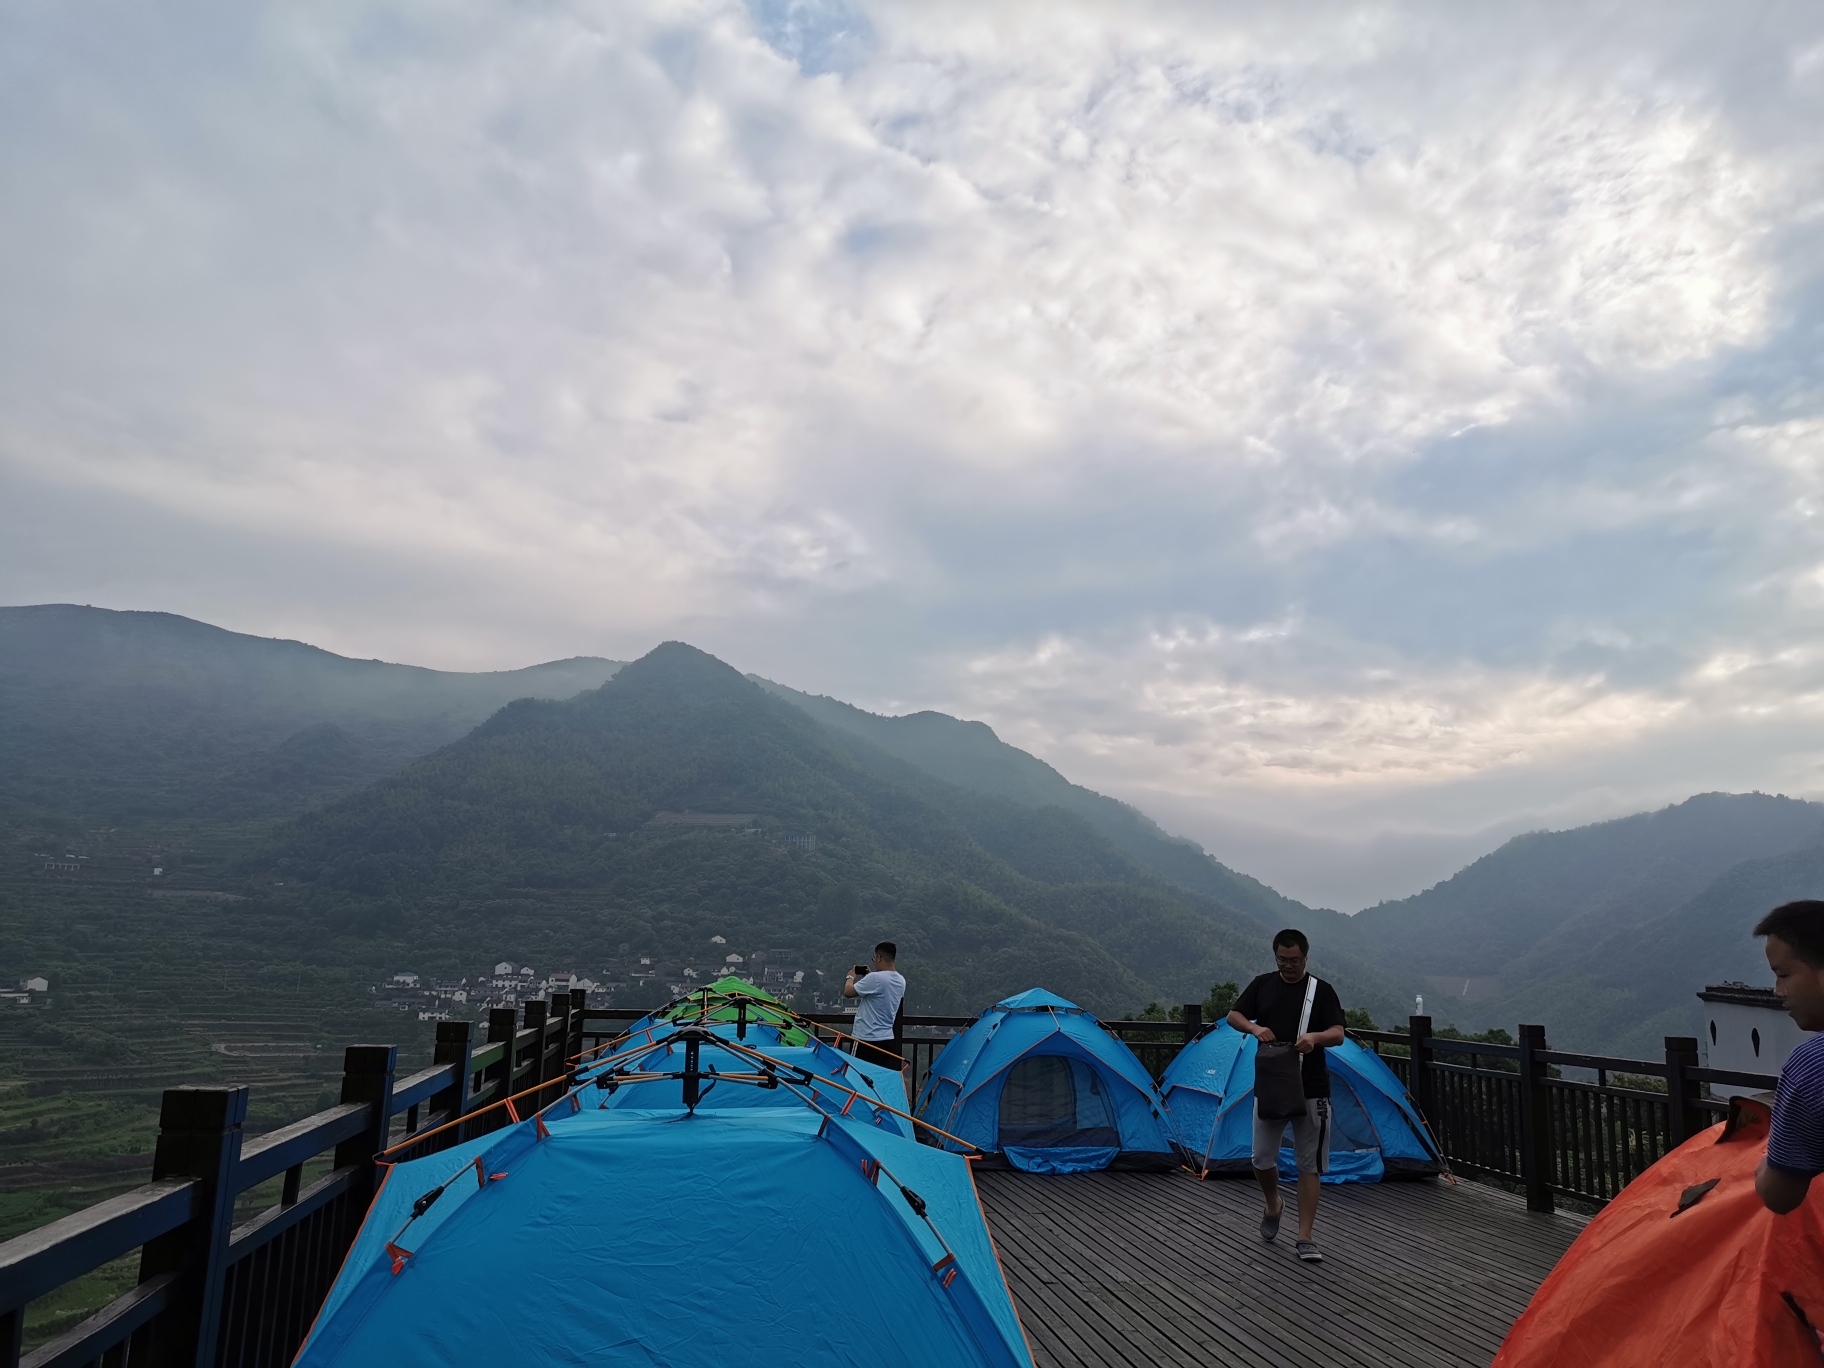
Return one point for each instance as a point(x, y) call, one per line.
point(1038, 1082)
point(621, 1235)
point(1374, 1132)
point(835, 1081)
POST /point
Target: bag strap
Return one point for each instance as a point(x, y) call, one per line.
point(1304, 1017)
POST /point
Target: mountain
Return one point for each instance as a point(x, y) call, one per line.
point(970, 756)
point(122, 715)
point(595, 822)
point(1604, 932)
point(423, 813)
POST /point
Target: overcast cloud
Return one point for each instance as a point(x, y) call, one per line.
point(1353, 434)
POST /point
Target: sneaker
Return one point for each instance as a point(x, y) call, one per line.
point(1308, 1252)
point(1269, 1226)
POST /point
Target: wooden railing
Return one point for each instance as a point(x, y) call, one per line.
point(222, 1295)
point(215, 1294)
point(1508, 1113)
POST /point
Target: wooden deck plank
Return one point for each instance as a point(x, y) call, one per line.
point(1358, 1313)
point(1138, 1266)
point(1112, 1269)
point(1257, 1333)
point(1353, 1316)
point(1360, 1307)
point(1039, 1246)
point(1306, 1337)
point(1393, 1281)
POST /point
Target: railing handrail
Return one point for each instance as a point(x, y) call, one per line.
point(821, 1018)
point(423, 1085)
point(42, 1260)
point(1734, 1078)
point(271, 1154)
point(1572, 1059)
point(1451, 1045)
point(1124, 1025)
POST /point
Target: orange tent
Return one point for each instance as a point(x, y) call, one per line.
point(1686, 1267)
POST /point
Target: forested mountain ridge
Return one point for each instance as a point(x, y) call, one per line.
point(1525, 897)
point(185, 736)
point(1632, 987)
point(970, 756)
point(985, 895)
point(120, 716)
point(1605, 932)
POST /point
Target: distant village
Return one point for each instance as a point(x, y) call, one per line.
point(36, 989)
point(629, 979)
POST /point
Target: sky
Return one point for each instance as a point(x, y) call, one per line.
point(1354, 434)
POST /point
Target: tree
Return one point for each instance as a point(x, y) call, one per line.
point(1221, 1000)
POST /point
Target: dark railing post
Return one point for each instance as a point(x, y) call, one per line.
point(579, 1000)
point(557, 1040)
point(1193, 1021)
point(454, 1047)
point(503, 1025)
point(1682, 1119)
point(367, 1076)
point(1535, 1122)
point(199, 1136)
point(538, 1015)
point(1418, 1070)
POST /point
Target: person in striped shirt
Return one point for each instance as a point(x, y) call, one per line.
point(1795, 1145)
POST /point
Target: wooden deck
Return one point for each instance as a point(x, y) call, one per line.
point(1119, 1269)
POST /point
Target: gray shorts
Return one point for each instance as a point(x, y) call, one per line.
point(1310, 1137)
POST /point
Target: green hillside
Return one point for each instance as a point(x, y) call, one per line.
point(1605, 932)
point(970, 756)
point(548, 803)
point(1635, 985)
point(119, 716)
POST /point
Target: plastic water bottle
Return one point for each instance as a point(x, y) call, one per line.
point(1418, 1004)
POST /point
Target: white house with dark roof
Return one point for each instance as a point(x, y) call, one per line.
point(1747, 1030)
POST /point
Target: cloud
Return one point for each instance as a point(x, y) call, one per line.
point(1369, 401)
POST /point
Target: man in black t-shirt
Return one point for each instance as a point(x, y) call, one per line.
point(1269, 1009)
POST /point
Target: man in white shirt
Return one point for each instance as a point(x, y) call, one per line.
point(880, 994)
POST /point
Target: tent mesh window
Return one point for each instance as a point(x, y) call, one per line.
point(1048, 1100)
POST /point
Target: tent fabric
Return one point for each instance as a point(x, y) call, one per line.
point(643, 1236)
point(1034, 999)
point(721, 1001)
point(1724, 1282)
point(875, 1085)
point(1060, 1158)
point(1374, 1131)
point(1036, 1073)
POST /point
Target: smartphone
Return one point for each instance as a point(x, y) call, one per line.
point(861, 971)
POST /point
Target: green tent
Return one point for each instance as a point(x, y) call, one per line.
point(721, 1001)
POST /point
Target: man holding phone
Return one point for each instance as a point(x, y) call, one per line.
point(880, 991)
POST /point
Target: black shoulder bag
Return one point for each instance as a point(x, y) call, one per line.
point(1279, 1075)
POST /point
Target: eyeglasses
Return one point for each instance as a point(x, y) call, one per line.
point(1290, 959)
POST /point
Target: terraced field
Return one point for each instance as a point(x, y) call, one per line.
point(157, 981)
